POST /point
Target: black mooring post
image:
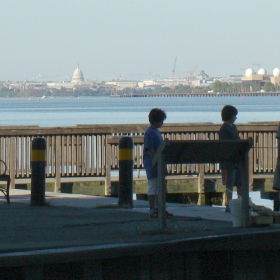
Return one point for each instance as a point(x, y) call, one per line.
point(38, 171)
point(126, 146)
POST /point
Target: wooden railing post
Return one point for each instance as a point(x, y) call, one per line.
point(200, 179)
point(278, 141)
point(58, 147)
point(12, 162)
point(162, 193)
point(251, 165)
point(108, 189)
point(245, 220)
point(278, 149)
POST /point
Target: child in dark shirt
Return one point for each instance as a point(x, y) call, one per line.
point(231, 174)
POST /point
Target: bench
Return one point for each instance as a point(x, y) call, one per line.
point(6, 178)
point(203, 151)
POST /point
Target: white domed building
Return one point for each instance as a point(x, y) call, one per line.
point(276, 72)
point(78, 76)
point(262, 72)
point(77, 82)
point(249, 72)
point(260, 77)
point(250, 76)
point(275, 79)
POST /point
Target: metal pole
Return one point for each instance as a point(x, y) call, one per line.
point(126, 146)
point(161, 167)
point(245, 222)
point(278, 154)
point(38, 171)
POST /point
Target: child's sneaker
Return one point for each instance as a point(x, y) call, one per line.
point(168, 214)
point(153, 213)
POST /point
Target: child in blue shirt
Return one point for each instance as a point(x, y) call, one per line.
point(152, 141)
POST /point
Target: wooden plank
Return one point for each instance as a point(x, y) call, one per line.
point(12, 149)
point(58, 144)
point(17, 149)
point(128, 128)
point(102, 162)
point(108, 170)
point(73, 153)
point(28, 156)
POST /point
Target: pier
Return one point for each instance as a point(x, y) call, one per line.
point(84, 159)
point(89, 237)
point(220, 94)
point(86, 237)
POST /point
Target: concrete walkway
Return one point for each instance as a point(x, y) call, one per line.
point(91, 237)
point(86, 201)
point(74, 221)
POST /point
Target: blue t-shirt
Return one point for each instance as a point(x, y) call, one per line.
point(152, 141)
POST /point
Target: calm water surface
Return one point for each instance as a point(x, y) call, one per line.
point(105, 110)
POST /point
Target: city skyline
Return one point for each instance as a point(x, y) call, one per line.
point(136, 40)
point(196, 76)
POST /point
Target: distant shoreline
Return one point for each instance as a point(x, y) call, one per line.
point(241, 95)
point(158, 95)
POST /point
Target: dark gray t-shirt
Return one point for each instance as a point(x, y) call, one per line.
point(228, 132)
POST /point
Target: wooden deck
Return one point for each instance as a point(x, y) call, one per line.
point(88, 155)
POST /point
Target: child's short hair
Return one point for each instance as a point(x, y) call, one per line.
point(228, 111)
point(156, 115)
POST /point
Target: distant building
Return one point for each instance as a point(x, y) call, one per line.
point(202, 76)
point(27, 85)
point(146, 83)
point(120, 85)
point(202, 79)
point(231, 79)
point(275, 79)
point(77, 82)
point(78, 76)
point(261, 77)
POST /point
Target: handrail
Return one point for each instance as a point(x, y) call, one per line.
point(88, 150)
point(6, 178)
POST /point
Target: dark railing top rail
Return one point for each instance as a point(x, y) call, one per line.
point(112, 129)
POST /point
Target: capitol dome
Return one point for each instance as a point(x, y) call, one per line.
point(249, 72)
point(77, 75)
point(276, 72)
point(262, 71)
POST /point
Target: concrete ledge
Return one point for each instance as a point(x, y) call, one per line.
point(210, 257)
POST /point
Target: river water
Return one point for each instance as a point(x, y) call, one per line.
point(105, 110)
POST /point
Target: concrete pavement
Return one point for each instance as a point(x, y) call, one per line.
point(216, 213)
point(80, 220)
point(93, 238)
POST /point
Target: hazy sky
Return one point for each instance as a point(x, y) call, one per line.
point(133, 38)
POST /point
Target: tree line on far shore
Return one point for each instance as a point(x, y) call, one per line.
point(216, 87)
point(225, 87)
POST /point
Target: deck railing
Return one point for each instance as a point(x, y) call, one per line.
point(92, 150)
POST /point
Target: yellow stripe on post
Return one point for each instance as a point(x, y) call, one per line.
point(125, 154)
point(38, 155)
